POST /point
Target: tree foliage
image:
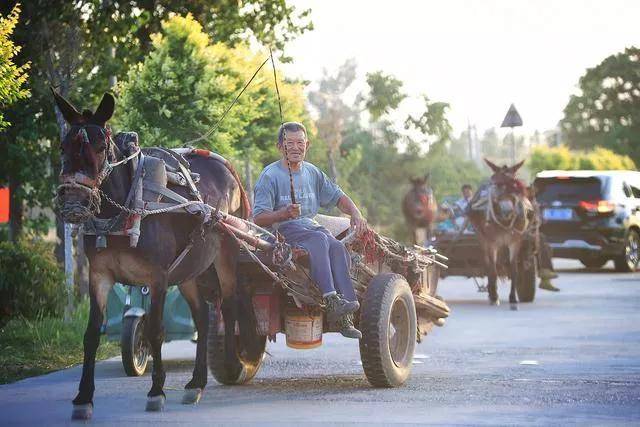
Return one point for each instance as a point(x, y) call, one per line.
point(562, 158)
point(606, 112)
point(186, 83)
point(334, 115)
point(374, 167)
point(31, 283)
point(385, 94)
point(81, 46)
point(433, 122)
point(12, 76)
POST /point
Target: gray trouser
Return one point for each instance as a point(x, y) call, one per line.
point(330, 260)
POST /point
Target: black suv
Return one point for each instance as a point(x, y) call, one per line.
point(593, 216)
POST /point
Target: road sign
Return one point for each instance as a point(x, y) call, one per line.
point(512, 119)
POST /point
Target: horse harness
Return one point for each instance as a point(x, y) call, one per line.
point(153, 169)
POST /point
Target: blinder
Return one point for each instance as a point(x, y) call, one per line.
point(75, 210)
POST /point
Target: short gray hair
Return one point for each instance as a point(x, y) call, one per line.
point(290, 127)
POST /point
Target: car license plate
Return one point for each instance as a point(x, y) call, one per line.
point(558, 214)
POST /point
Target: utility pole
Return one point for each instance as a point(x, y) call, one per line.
point(511, 120)
point(470, 138)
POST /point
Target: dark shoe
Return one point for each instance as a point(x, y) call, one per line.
point(337, 307)
point(345, 323)
point(547, 286)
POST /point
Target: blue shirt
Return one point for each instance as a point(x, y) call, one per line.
point(313, 189)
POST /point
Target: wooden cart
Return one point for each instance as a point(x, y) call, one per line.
point(396, 288)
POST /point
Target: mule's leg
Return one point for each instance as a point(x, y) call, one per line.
point(514, 252)
point(198, 306)
point(100, 284)
point(225, 265)
point(155, 335)
point(490, 259)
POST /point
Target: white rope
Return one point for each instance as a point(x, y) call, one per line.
point(511, 227)
point(125, 160)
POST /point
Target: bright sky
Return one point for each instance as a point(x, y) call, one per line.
point(480, 56)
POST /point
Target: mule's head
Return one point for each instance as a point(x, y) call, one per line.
point(419, 203)
point(504, 177)
point(84, 158)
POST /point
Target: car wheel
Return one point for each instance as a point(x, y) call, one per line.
point(593, 262)
point(628, 261)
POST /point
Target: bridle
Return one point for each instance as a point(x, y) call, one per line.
point(107, 167)
point(75, 211)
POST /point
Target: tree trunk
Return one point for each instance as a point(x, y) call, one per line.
point(15, 210)
point(82, 266)
point(333, 170)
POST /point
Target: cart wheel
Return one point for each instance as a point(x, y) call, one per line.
point(134, 346)
point(216, 355)
point(528, 274)
point(388, 325)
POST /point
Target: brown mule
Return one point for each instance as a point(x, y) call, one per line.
point(420, 208)
point(94, 168)
point(501, 213)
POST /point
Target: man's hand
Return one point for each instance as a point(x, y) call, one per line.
point(359, 224)
point(290, 212)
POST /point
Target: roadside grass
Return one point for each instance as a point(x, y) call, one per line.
point(35, 347)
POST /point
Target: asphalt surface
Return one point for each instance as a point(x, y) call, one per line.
point(571, 357)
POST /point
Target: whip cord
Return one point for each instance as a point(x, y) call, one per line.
point(215, 126)
point(284, 133)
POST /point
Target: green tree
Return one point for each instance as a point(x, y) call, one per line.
point(334, 113)
point(82, 47)
point(433, 123)
point(562, 158)
point(185, 85)
point(12, 76)
point(385, 94)
point(606, 112)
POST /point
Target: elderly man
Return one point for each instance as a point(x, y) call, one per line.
point(330, 261)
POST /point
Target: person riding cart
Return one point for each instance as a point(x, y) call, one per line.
point(287, 197)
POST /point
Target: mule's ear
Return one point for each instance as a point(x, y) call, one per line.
point(69, 112)
point(493, 166)
point(105, 109)
point(513, 169)
point(427, 176)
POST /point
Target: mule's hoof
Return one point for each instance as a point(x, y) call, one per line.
point(494, 302)
point(155, 403)
point(82, 412)
point(514, 306)
point(191, 396)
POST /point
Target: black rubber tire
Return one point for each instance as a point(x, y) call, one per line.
point(134, 347)
point(527, 277)
point(216, 355)
point(624, 263)
point(594, 262)
point(383, 293)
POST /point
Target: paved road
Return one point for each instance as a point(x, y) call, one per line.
point(584, 341)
